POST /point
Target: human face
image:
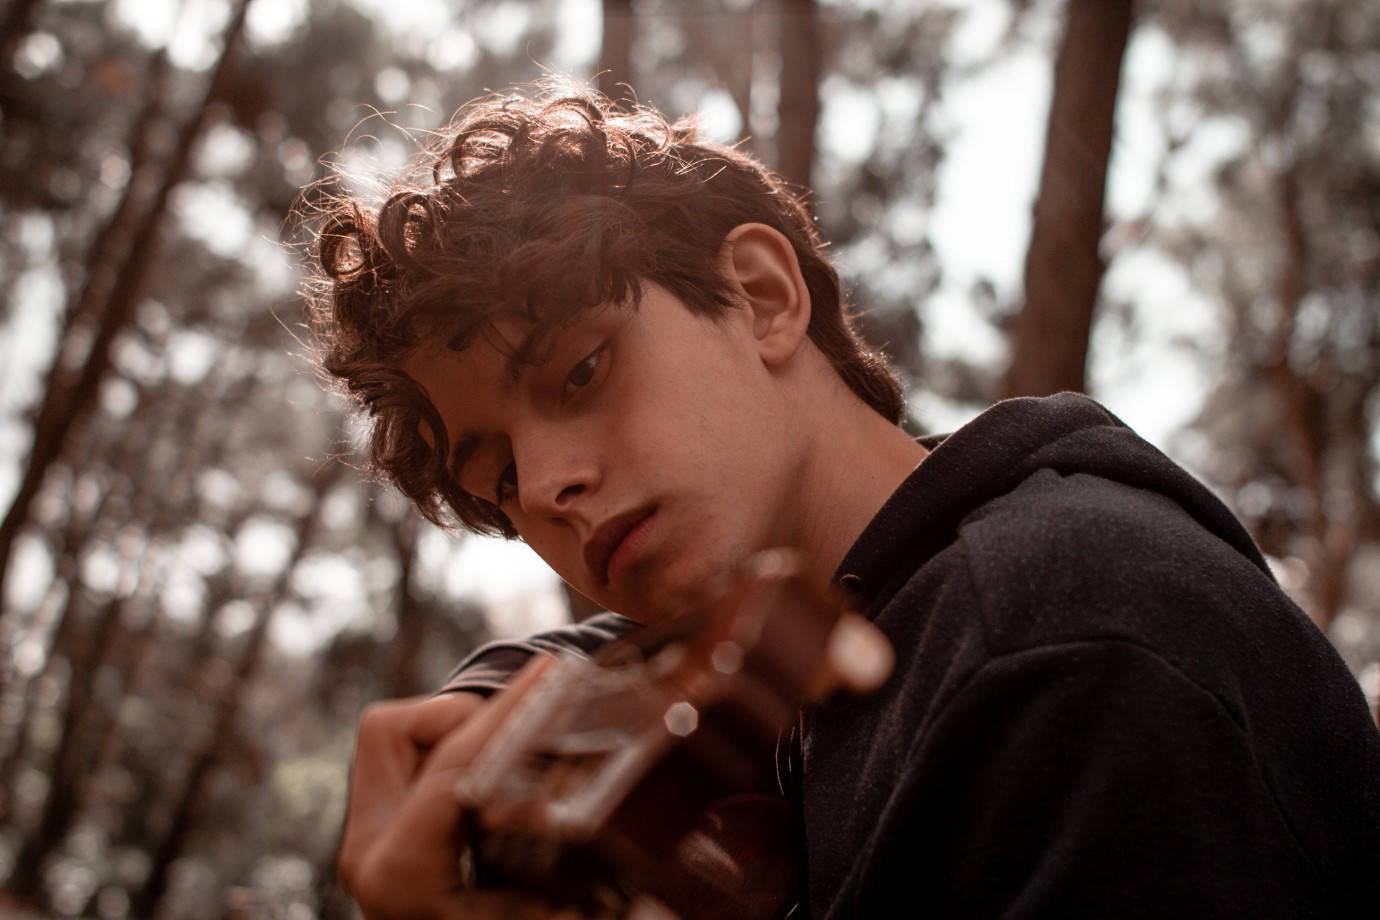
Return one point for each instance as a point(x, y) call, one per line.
point(646, 455)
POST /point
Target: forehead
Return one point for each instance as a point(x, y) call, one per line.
point(490, 362)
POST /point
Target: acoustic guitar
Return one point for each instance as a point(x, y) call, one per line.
point(645, 780)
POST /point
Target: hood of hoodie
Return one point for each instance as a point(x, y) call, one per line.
point(995, 453)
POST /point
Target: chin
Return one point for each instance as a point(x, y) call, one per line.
point(688, 592)
point(648, 609)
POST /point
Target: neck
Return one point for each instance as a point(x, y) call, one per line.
point(856, 461)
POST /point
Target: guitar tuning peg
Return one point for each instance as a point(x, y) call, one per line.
point(859, 654)
point(727, 657)
point(681, 719)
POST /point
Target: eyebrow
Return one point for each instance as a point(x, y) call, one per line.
point(517, 361)
point(515, 365)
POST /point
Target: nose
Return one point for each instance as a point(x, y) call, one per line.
point(553, 470)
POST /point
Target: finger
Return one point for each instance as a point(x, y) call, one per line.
point(412, 851)
point(456, 750)
point(396, 735)
point(393, 740)
point(428, 814)
point(384, 753)
point(430, 720)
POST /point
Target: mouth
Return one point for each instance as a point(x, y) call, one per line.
point(610, 536)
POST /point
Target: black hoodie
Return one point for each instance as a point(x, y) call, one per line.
point(1103, 705)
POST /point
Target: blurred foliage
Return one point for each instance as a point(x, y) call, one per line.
point(198, 598)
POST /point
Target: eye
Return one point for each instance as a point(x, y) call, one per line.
point(506, 487)
point(583, 373)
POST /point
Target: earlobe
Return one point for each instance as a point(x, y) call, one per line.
point(761, 265)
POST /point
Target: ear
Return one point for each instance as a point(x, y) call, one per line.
point(760, 265)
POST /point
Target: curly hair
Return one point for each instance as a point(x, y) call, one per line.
point(490, 220)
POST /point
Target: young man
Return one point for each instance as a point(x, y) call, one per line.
point(591, 330)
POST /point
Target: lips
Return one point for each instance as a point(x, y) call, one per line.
point(606, 539)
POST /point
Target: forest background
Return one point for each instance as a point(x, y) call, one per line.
point(198, 598)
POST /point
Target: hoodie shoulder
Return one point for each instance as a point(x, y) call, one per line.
point(1075, 540)
point(1076, 557)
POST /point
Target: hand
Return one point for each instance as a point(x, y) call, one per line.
point(399, 853)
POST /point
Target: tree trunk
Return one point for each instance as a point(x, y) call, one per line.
point(87, 723)
point(110, 245)
point(132, 651)
point(64, 405)
point(217, 746)
point(124, 454)
point(798, 112)
point(107, 250)
point(1063, 268)
point(64, 636)
point(70, 763)
point(615, 56)
point(63, 643)
point(1318, 448)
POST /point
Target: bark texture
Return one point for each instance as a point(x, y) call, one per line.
point(615, 56)
point(802, 51)
point(68, 401)
point(1063, 268)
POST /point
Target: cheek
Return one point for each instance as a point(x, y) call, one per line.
point(654, 424)
point(696, 423)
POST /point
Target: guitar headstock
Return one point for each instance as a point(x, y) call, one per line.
point(639, 771)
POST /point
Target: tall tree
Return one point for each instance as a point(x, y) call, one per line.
point(84, 719)
point(215, 745)
point(73, 753)
point(1063, 267)
point(65, 638)
point(68, 401)
point(1291, 255)
point(615, 78)
point(798, 113)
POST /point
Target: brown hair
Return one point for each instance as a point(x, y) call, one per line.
point(525, 187)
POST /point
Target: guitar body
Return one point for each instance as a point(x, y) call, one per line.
point(651, 772)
